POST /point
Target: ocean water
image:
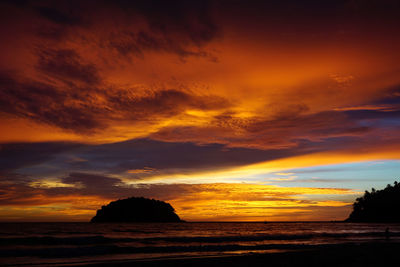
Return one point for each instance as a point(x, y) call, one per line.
point(48, 244)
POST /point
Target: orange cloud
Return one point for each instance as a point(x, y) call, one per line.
point(107, 85)
point(144, 170)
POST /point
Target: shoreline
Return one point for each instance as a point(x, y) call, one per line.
point(356, 254)
point(380, 253)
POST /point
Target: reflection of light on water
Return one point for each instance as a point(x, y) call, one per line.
point(263, 251)
point(84, 242)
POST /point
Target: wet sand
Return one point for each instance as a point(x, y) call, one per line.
point(363, 254)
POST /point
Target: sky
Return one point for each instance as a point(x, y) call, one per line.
point(229, 110)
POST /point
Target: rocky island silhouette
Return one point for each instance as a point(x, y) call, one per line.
point(379, 206)
point(136, 209)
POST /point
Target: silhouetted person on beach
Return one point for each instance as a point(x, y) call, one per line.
point(387, 233)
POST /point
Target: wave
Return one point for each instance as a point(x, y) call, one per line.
point(137, 231)
point(69, 252)
point(100, 239)
point(49, 240)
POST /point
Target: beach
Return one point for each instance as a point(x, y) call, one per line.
point(199, 244)
point(368, 254)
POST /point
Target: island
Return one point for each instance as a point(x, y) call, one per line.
point(380, 206)
point(136, 209)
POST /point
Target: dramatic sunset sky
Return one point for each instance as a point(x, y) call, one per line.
point(228, 110)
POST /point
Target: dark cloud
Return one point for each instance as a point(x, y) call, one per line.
point(155, 157)
point(284, 131)
point(20, 194)
point(137, 154)
point(16, 189)
point(16, 2)
point(130, 43)
point(146, 158)
point(45, 103)
point(373, 114)
point(92, 184)
point(123, 156)
point(19, 155)
point(86, 109)
point(316, 16)
point(68, 66)
point(391, 97)
point(177, 27)
point(30, 191)
point(185, 27)
point(91, 180)
point(190, 19)
point(162, 103)
point(58, 16)
point(53, 33)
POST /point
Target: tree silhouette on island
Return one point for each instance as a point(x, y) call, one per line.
point(136, 209)
point(377, 206)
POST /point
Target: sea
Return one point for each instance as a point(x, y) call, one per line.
point(60, 244)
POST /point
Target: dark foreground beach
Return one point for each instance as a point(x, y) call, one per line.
point(365, 254)
point(200, 244)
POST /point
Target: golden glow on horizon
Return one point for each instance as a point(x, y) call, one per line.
point(245, 202)
point(209, 202)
